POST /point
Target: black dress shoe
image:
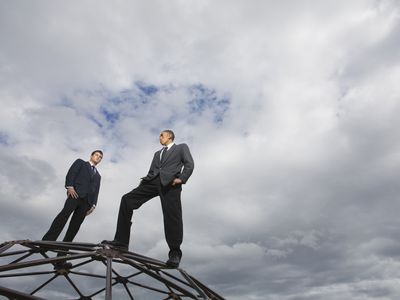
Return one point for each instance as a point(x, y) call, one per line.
point(173, 261)
point(62, 265)
point(116, 244)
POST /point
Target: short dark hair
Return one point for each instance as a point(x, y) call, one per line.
point(170, 132)
point(101, 152)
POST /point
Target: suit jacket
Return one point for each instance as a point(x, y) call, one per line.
point(86, 184)
point(177, 162)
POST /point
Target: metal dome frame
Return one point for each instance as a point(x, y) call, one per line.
point(166, 282)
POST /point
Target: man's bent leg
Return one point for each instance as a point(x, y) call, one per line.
point(60, 220)
point(130, 201)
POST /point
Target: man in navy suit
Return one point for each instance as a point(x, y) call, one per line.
point(82, 183)
point(171, 167)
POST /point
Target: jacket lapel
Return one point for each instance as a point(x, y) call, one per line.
point(158, 153)
point(88, 168)
point(168, 154)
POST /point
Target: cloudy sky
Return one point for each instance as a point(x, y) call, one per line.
point(290, 109)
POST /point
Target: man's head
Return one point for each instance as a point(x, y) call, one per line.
point(166, 137)
point(96, 157)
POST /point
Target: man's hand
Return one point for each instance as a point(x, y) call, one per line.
point(72, 193)
point(176, 181)
point(90, 210)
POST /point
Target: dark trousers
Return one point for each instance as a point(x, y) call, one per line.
point(78, 207)
point(171, 207)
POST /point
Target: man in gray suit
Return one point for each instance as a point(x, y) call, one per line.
point(171, 167)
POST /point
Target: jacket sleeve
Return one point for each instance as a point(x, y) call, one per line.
point(188, 164)
point(96, 194)
point(73, 172)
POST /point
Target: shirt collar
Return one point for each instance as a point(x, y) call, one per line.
point(170, 145)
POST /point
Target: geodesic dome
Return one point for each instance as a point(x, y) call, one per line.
point(98, 271)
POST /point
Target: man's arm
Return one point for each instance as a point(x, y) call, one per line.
point(92, 208)
point(73, 172)
point(188, 164)
point(96, 195)
point(70, 178)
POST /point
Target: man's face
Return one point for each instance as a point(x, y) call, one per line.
point(165, 138)
point(96, 158)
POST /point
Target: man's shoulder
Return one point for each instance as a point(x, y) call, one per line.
point(182, 145)
point(80, 161)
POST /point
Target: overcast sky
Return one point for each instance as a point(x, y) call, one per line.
point(290, 109)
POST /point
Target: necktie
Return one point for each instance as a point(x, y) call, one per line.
point(93, 170)
point(163, 152)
